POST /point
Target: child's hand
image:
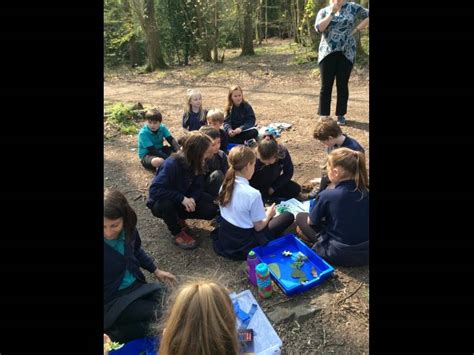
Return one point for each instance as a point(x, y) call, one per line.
point(271, 211)
point(189, 204)
point(231, 133)
point(165, 277)
point(237, 131)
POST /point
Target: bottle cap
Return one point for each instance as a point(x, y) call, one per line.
point(262, 268)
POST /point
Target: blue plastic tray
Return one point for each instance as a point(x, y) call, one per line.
point(231, 145)
point(141, 346)
point(272, 253)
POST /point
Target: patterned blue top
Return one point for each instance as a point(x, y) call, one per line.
point(337, 35)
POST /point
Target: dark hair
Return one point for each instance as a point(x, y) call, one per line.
point(268, 148)
point(116, 206)
point(239, 157)
point(326, 128)
point(212, 132)
point(153, 115)
point(192, 153)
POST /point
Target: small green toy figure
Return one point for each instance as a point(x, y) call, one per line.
point(287, 253)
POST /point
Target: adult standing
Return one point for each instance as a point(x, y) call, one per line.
point(337, 51)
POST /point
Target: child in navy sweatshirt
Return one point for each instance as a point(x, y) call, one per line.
point(177, 190)
point(338, 223)
point(240, 118)
point(273, 171)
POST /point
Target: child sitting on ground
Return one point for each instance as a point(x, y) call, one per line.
point(338, 223)
point(273, 171)
point(245, 224)
point(151, 150)
point(215, 119)
point(240, 118)
point(330, 134)
point(194, 116)
point(177, 190)
point(216, 165)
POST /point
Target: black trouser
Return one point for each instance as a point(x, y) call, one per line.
point(334, 65)
point(324, 182)
point(277, 225)
point(137, 319)
point(312, 232)
point(170, 211)
point(263, 179)
point(244, 136)
point(213, 183)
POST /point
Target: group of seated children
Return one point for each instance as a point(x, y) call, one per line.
point(199, 181)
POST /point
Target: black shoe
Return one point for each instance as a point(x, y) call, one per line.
point(341, 120)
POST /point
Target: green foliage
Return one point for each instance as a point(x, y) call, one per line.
point(124, 117)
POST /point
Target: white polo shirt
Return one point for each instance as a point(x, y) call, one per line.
point(245, 206)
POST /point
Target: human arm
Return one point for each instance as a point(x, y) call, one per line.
point(163, 185)
point(228, 123)
point(186, 121)
point(165, 276)
point(319, 211)
point(287, 172)
point(270, 213)
point(249, 118)
point(172, 142)
point(363, 24)
point(324, 17)
point(146, 262)
point(361, 12)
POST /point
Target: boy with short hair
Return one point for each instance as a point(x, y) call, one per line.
point(330, 134)
point(151, 150)
point(215, 119)
point(217, 165)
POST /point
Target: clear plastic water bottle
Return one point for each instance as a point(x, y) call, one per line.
point(252, 262)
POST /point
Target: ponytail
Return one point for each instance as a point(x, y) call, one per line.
point(353, 162)
point(239, 157)
point(227, 187)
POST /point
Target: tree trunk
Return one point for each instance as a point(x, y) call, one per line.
point(132, 44)
point(216, 32)
point(203, 42)
point(266, 19)
point(247, 46)
point(155, 55)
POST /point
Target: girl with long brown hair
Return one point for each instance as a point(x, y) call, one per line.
point(245, 223)
point(240, 119)
point(338, 224)
point(177, 191)
point(131, 304)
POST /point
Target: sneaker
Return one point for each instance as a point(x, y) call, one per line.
point(185, 241)
point(314, 192)
point(341, 120)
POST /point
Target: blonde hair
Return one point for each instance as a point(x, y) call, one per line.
point(215, 116)
point(188, 107)
point(353, 163)
point(239, 157)
point(230, 103)
point(201, 321)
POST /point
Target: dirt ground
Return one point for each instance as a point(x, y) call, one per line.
point(279, 91)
